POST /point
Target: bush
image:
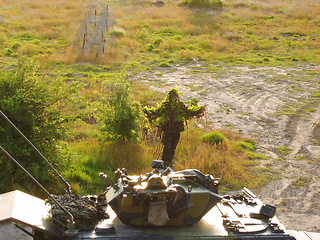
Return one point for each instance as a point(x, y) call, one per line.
point(121, 115)
point(212, 4)
point(214, 138)
point(164, 64)
point(26, 102)
point(118, 34)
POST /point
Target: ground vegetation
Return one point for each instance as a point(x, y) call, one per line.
point(26, 102)
point(238, 33)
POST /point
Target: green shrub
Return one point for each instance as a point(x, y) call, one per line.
point(26, 102)
point(214, 138)
point(121, 115)
point(213, 4)
point(164, 64)
point(117, 33)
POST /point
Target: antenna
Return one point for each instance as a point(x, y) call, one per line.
point(68, 189)
point(71, 225)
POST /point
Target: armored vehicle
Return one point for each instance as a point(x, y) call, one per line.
point(162, 197)
point(162, 204)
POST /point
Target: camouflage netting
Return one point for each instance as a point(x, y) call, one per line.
point(87, 213)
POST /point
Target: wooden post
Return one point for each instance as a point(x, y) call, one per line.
point(102, 41)
point(86, 32)
point(83, 43)
point(95, 18)
point(107, 18)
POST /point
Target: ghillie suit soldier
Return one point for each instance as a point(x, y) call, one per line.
point(169, 117)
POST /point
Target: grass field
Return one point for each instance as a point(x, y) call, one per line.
point(247, 32)
point(275, 33)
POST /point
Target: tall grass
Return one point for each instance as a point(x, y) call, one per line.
point(230, 162)
point(238, 30)
point(92, 156)
point(42, 27)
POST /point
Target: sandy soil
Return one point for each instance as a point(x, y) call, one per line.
point(259, 102)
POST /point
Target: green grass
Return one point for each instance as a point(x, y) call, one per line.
point(91, 156)
point(316, 94)
point(250, 34)
point(214, 138)
point(281, 33)
point(300, 181)
point(232, 162)
point(284, 150)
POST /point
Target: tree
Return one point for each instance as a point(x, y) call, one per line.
point(27, 102)
point(121, 115)
point(169, 117)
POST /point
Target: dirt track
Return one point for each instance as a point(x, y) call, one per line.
point(274, 105)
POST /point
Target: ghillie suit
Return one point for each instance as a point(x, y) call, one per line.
point(169, 117)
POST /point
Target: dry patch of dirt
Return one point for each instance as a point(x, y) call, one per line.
point(274, 105)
